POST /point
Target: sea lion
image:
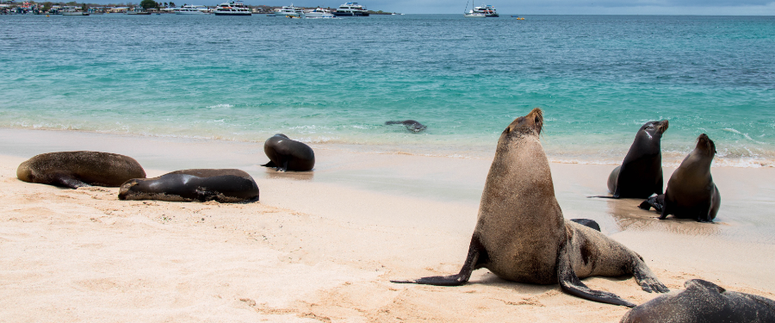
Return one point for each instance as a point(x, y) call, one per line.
point(522, 236)
point(640, 174)
point(222, 185)
point(588, 222)
point(691, 193)
point(76, 169)
point(287, 154)
point(701, 302)
point(410, 125)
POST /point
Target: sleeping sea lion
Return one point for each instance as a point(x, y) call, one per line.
point(410, 125)
point(640, 174)
point(522, 236)
point(690, 193)
point(222, 185)
point(76, 169)
point(287, 154)
point(703, 302)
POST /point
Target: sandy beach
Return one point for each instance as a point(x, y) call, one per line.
point(322, 246)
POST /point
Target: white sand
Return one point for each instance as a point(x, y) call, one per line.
point(322, 246)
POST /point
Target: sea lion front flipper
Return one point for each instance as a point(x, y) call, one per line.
point(269, 164)
point(69, 181)
point(476, 253)
point(571, 284)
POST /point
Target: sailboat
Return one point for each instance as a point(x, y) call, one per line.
point(472, 13)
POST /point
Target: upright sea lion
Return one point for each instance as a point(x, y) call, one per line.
point(222, 185)
point(522, 236)
point(640, 174)
point(703, 302)
point(410, 125)
point(287, 154)
point(691, 193)
point(76, 169)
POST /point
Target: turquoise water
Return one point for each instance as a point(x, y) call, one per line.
point(336, 82)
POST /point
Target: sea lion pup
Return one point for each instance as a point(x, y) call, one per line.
point(410, 125)
point(76, 169)
point(522, 236)
point(640, 174)
point(222, 185)
point(701, 302)
point(287, 154)
point(690, 193)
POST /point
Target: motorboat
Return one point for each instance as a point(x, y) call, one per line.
point(351, 9)
point(290, 11)
point(138, 11)
point(319, 13)
point(75, 13)
point(191, 9)
point(232, 8)
point(487, 10)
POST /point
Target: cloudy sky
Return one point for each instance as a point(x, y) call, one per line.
point(526, 7)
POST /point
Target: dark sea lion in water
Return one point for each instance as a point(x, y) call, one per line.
point(640, 174)
point(703, 302)
point(287, 154)
point(222, 185)
point(690, 193)
point(522, 236)
point(410, 125)
point(76, 169)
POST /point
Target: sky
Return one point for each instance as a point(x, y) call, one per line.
point(527, 7)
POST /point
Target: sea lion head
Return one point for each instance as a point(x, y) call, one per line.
point(705, 145)
point(529, 125)
point(24, 172)
point(654, 129)
point(128, 188)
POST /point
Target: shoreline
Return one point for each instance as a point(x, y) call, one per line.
point(323, 246)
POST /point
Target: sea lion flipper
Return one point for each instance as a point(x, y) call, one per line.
point(269, 164)
point(645, 278)
point(69, 181)
point(475, 254)
point(571, 284)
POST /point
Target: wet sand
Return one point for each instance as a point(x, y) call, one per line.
point(322, 246)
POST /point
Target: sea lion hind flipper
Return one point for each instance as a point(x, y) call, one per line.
point(476, 254)
point(655, 201)
point(269, 164)
point(571, 284)
point(645, 278)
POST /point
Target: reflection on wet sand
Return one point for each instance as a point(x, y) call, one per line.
point(302, 176)
point(628, 216)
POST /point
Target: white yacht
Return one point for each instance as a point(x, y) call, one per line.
point(351, 9)
point(290, 11)
point(319, 13)
point(232, 8)
point(191, 9)
point(487, 10)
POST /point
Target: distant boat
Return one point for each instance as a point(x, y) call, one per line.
point(191, 9)
point(232, 8)
point(319, 13)
point(138, 11)
point(75, 13)
point(351, 9)
point(290, 11)
point(473, 13)
point(487, 10)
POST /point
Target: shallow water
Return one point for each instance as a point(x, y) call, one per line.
point(336, 82)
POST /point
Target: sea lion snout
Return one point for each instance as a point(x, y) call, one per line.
point(662, 126)
point(126, 188)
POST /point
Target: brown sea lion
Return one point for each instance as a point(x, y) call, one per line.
point(703, 302)
point(522, 236)
point(222, 185)
point(76, 169)
point(640, 174)
point(287, 154)
point(691, 193)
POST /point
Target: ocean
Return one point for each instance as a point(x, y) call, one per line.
point(335, 82)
